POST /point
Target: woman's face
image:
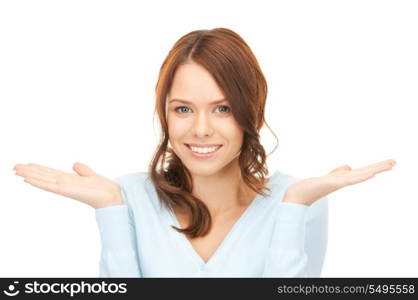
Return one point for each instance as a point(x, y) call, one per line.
point(200, 121)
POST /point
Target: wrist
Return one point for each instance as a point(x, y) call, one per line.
point(115, 201)
point(288, 199)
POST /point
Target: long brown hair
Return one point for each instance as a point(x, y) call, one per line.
point(227, 57)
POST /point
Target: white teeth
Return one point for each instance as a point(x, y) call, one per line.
point(204, 150)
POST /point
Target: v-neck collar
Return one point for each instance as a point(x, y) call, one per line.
point(224, 243)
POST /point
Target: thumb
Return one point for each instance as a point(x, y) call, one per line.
point(82, 169)
point(342, 168)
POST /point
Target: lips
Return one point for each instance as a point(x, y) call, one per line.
point(202, 155)
point(202, 145)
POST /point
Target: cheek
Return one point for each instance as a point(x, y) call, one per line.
point(177, 128)
point(232, 133)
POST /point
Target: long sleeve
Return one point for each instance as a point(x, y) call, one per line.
point(299, 240)
point(119, 257)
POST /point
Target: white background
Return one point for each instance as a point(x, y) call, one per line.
point(77, 82)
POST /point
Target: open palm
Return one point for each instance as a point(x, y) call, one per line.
point(307, 191)
point(85, 186)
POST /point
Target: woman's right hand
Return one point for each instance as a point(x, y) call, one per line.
point(85, 186)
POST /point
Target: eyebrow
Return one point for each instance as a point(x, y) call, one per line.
point(189, 102)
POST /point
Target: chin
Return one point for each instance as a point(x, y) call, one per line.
point(203, 171)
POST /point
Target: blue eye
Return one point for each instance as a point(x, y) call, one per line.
point(176, 109)
point(224, 106)
point(228, 108)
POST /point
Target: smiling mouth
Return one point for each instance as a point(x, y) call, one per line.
point(217, 146)
point(203, 154)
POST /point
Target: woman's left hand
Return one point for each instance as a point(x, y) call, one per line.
point(309, 190)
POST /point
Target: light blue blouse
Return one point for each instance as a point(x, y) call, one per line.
point(270, 239)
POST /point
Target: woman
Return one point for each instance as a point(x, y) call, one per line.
point(201, 210)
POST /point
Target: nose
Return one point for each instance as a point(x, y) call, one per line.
point(202, 125)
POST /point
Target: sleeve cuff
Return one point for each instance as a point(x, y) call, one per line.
point(114, 226)
point(290, 226)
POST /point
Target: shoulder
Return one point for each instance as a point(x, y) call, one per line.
point(131, 178)
point(139, 194)
point(132, 184)
point(278, 183)
point(282, 179)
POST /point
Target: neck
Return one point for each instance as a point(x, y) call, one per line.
point(223, 192)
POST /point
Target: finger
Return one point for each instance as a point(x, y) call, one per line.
point(350, 178)
point(44, 168)
point(83, 170)
point(375, 169)
point(342, 168)
point(357, 176)
point(384, 163)
point(25, 168)
point(50, 178)
point(50, 187)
